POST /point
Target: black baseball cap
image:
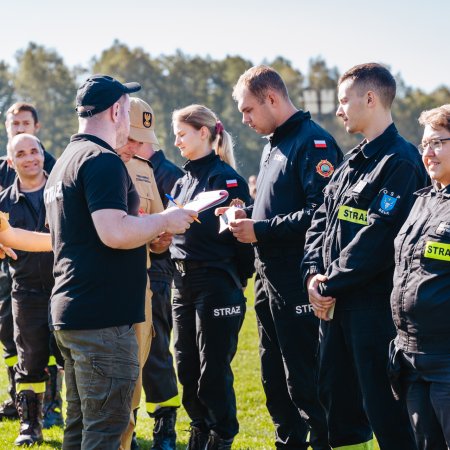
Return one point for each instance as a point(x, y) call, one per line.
point(99, 92)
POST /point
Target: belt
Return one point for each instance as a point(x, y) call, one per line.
point(184, 265)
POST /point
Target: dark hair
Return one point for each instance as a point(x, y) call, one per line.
point(372, 76)
point(23, 106)
point(258, 80)
point(436, 117)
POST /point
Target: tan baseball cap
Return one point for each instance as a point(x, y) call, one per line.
point(142, 122)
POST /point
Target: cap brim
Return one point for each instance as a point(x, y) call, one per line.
point(142, 135)
point(131, 87)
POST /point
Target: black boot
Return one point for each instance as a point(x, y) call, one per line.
point(134, 445)
point(215, 442)
point(29, 407)
point(52, 399)
point(164, 435)
point(197, 439)
point(8, 407)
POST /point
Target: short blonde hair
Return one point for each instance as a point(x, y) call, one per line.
point(437, 117)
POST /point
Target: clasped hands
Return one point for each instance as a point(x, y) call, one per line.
point(321, 305)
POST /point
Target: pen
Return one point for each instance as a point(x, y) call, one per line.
point(178, 204)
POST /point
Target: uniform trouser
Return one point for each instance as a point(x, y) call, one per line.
point(6, 318)
point(144, 334)
point(101, 368)
point(33, 339)
point(354, 385)
point(289, 333)
point(426, 382)
point(208, 311)
point(158, 377)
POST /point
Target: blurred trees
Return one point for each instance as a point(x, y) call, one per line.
point(174, 81)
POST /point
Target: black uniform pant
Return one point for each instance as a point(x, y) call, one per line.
point(158, 377)
point(353, 381)
point(33, 337)
point(6, 318)
point(426, 381)
point(208, 311)
point(289, 334)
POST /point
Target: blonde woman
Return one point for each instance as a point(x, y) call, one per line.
point(212, 269)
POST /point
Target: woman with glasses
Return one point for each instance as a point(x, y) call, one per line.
point(420, 354)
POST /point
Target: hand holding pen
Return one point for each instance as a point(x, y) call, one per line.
point(179, 205)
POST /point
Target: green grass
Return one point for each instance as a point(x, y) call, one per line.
point(256, 429)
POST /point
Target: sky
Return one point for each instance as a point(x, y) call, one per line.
point(410, 36)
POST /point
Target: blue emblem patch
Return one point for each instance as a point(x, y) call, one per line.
point(388, 202)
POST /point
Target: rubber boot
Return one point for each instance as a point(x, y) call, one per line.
point(215, 442)
point(197, 439)
point(29, 407)
point(8, 407)
point(52, 398)
point(164, 435)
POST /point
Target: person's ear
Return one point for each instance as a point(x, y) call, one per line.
point(115, 112)
point(37, 127)
point(204, 132)
point(371, 99)
point(271, 98)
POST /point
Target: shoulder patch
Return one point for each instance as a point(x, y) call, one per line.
point(232, 183)
point(320, 143)
point(324, 168)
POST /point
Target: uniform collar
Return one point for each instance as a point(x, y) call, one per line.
point(432, 191)
point(198, 165)
point(290, 124)
point(369, 149)
point(16, 194)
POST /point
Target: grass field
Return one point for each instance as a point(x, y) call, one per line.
point(256, 429)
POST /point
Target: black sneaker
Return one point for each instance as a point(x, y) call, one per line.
point(164, 435)
point(215, 442)
point(197, 439)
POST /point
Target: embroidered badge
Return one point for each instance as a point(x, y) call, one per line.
point(232, 183)
point(237, 202)
point(320, 144)
point(388, 202)
point(147, 119)
point(325, 168)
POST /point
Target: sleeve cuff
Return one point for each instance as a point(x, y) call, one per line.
point(261, 229)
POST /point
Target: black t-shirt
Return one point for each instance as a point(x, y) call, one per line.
point(35, 198)
point(95, 286)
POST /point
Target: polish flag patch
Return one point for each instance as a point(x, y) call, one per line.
point(320, 144)
point(232, 183)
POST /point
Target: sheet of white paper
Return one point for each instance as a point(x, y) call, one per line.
point(226, 218)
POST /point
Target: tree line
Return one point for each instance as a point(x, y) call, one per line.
point(41, 77)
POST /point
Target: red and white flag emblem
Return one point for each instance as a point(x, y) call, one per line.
point(232, 183)
point(320, 144)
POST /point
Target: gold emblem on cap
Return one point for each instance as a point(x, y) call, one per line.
point(237, 202)
point(147, 119)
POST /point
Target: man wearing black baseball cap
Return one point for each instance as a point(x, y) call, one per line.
point(100, 260)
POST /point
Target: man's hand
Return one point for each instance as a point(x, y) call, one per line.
point(178, 220)
point(161, 243)
point(7, 251)
point(321, 305)
point(239, 213)
point(243, 230)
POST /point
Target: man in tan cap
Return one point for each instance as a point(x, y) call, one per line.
point(140, 171)
point(158, 377)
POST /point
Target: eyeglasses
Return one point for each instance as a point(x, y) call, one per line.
point(434, 144)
